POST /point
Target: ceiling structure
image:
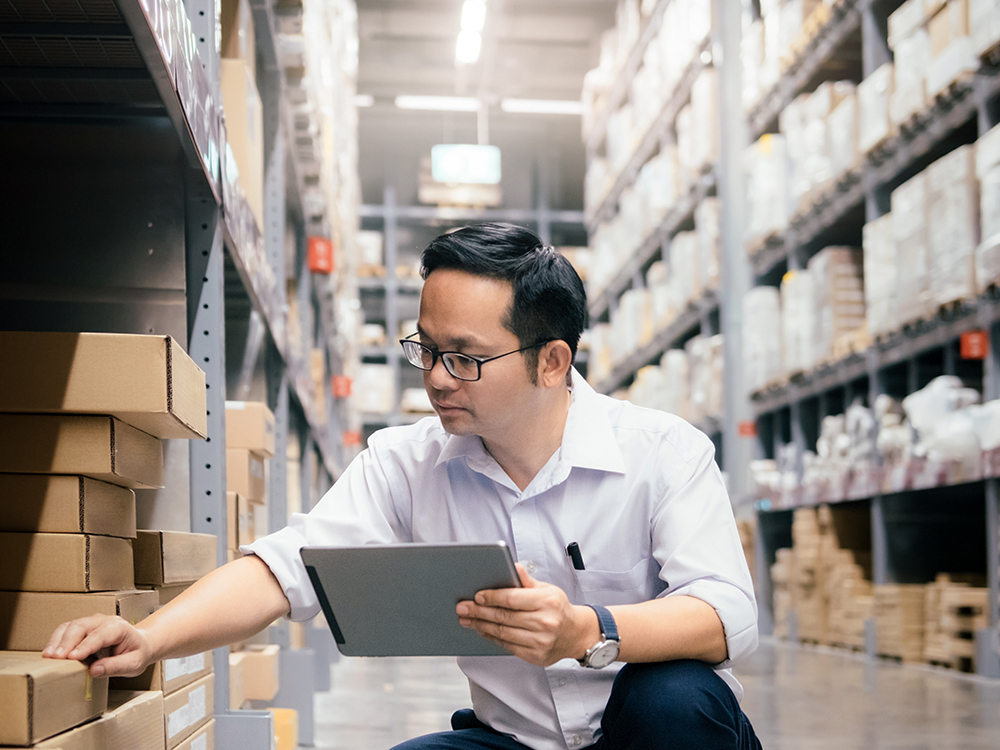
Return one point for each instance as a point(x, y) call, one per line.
point(531, 49)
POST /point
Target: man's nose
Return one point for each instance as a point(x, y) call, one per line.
point(440, 378)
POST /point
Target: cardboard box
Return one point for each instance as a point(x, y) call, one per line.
point(250, 425)
point(148, 382)
point(65, 504)
point(28, 618)
point(168, 557)
point(238, 41)
point(245, 130)
point(64, 562)
point(188, 709)
point(202, 739)
point(260, 672)
point(167, 593)
point(97, 447)
point(240, 521)
point(133, 720)
point(43, 697)
point(245, 474)
point(874, 94)
point(286, 728)
point(168, 676)
point(237, 689)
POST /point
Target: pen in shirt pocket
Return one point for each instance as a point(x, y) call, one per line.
point(573, 550)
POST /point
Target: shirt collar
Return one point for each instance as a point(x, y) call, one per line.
point(588, 440)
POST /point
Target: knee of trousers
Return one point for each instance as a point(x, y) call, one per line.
point(682, 697)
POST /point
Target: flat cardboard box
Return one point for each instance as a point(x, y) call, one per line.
point(250, 425)
point(43, 697)
point(101, 448)
point(203, 739)
point(167, 593)
point(28, 618)
point(245, 474)
point(65, 504)
point(133, 720)
point(146, 381)
point(238, 41)
point(244, 130)
point(240, 521)
point(260, 672)
point(286, 728)
point(169, 675)
point(64, 562)
point(188, 709)
point(169, 557)
point(237, 690)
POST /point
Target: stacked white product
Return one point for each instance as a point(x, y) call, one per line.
point(952, 226)
point(698, 127)
point(659, 185)
point(688, 382)
point(839, 297)
point(768, 194)
point(599, 364)
point(685, 270)
point(911, 45)
point(909, 234)
point(842, 131)
point(874, 94)
point(632, 324)
point(952, 56)
point(762, 361)
point(880, 271)
point(752, 57)
point(660, 294)
point(797, 322)
point(984, 22)
point(988, 172)
point(676, 378)
point(706, 224)
point(597, 182)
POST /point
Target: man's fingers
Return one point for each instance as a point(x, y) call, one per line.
point(54, 640)
point(128, 664)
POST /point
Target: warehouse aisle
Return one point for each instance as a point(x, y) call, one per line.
point(799, 698)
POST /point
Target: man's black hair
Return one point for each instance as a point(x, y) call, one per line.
point(549, 300)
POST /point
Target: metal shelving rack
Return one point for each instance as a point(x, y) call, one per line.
point(111, 116)
point(850, 45)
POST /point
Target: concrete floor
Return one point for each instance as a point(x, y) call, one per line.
point(798, 697)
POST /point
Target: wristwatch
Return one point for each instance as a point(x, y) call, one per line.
point(605, 651)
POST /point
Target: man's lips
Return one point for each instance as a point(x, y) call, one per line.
point(447, 407)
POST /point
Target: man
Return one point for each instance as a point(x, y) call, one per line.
point(627, 548)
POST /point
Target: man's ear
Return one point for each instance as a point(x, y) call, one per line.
point(554, 361)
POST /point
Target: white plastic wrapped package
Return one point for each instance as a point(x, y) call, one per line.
point(944, 395)
point(676, 379)
point(797, 321)
point(909, 234)
point(685, 269)
point(909, 95)
point(762, 360)
point(768, 197)
point(873, 107)
point(988, 172)
point(706, 223)
point(705, 120)
point(843, 131)
point(752, 56)
point(880, 274)
point(952, 226)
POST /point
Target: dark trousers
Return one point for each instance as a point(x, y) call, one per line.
point(675, 704)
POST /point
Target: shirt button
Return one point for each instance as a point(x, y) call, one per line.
point(562, 681)
point(577, 739)
point(530, 566)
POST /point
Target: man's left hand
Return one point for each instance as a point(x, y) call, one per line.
point(536, 623)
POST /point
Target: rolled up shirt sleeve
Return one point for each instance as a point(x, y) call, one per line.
point(697, 543)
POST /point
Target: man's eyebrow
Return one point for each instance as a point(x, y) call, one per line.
point(457, 344)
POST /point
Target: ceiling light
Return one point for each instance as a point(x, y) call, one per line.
point(467, 47)
point(364, 100)
point(542, 106)
point(473, 15)
point(439, 103)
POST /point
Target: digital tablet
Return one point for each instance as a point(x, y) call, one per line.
point(399, 599)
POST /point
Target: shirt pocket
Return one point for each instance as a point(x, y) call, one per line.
point(612, 587)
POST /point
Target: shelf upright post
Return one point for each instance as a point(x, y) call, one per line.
point(736, 279)
point(988, 640)
point(390, 240)
point(277, 487)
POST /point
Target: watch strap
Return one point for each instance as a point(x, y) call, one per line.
point(609, 630)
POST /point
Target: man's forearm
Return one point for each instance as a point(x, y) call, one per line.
point(674, 627)
point(230, 604)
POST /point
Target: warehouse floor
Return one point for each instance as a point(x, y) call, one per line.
point(806, 698)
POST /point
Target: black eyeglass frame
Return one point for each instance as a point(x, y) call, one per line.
point(436, 354)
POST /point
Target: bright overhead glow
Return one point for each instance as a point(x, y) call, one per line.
point(473, 15)
point(468, 46)
point(542, 106)
point(439, 103)
point(465, 164)
point(364, 100)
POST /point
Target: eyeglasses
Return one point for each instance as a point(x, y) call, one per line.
point(459, 366)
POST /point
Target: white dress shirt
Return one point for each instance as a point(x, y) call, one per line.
point(637, 489)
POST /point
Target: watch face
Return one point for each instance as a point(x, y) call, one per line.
point(605, 654)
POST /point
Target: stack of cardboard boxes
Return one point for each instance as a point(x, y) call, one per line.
point(81, 418)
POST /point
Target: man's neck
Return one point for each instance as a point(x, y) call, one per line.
point(523, 455)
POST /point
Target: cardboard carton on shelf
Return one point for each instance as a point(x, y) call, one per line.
point(245, 474)
point(102, 448)
point(286, 728)
point(168, 592)
point(238, 41)
point(133, 720)
point(163, 558)
point(260, 672)
point(145, 381)
point(169, 675)
point(64, 562)
point(240, 521)
point(65, 504)
point(188, 709)
point(244, 119)
point(43, 697)
point(237, 691)
point(28, 618)
point(202, 739)
point(250, 425)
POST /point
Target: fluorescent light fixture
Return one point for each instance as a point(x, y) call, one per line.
point(473, 15)
point(364, 100)
point(542, 106)
point(464, 164)
point(439, 103)
point(468, 46)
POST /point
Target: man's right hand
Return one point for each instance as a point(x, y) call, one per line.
point(121, 649)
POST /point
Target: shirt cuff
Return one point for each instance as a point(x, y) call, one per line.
point(280, 552)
